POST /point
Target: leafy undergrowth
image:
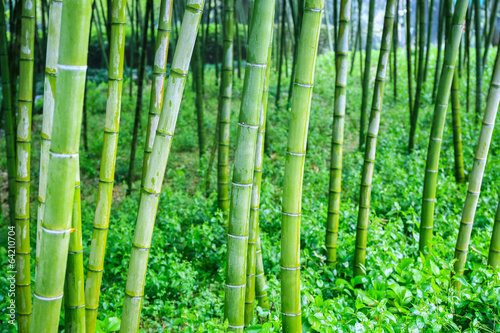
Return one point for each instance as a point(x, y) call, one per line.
point(401, 291)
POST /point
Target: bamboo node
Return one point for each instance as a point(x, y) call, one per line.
point(296, 154)
point(304, 85)
point(291, 314)
point(49, 231)
point(291, 214)
point(72, 68)
point(238, 237)
point(42, 298)
point(290, 268)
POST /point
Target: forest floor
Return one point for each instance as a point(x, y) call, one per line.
point(185, 280)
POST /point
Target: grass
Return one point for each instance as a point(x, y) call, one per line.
point(401, 292)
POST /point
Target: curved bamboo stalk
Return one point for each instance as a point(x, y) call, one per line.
point(366, 74)
point(225, 95)
point(438, 122)
point(74, 293)
point(294, 166)
point(332, 222)
point(56, 223)
point(476, 175)
point(7, 110)
point(371, 140)
point(158, 85)
point(253, 233)
point(23, 161)
point(107, 169)
point(420, 76)
point(134, 291)
point(243, 171)
point(48, 112)
point(494, 253)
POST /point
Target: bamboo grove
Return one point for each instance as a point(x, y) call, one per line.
point(263, 56)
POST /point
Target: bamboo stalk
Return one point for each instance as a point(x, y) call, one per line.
point(253, 233)
point(134, 291)
point(491, 30)
point(225, 94)
point(294, 165)
point(10, 144)
point(56, 223)
point(158, 83)
point(476, 175)
point(438, 122)
point(429, 37)
point(408, 57)
point(479, 59)
point(494, 253)
point(107, 168)
point(74, 293)
point(342, 57)
point(243, 172)
point(371, 141)
point(457, 130)
point(48, 112)
point(366, 75)
point(23, 161)
point(439, 44)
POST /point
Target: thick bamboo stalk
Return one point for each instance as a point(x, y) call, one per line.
point(476, 175)
point(23, 159)
point(342, 53)
point(366, 75)
point(294, 165)
point(48, 112)
point(420, 76)
point(56, 223)
point(457, 130)
point(10, 144)
point(74, 292)
point(158, 82)
point(253, 233)
point(438, 122)
point(134, 291)
point(225, 95)
point(244, 158)
point(108, 162)
point(371, 140)
point(494, 253)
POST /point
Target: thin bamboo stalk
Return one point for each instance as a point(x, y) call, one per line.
point(395, 46)
point(342, 58)
point(134, 291)
point(107, 168)
point(244, 159)
point(48, 112)
point(491, 30)
point(476, 175)
point(253, 233)
point(479, 59)
point(23, 161)
point(294, 165)
point(438, 122)
point(408, 57)
point(429, 37)
point(225, 94)
point(63, 164)
point(366, 75)
point(7, 110)
point(371, 140)
point(158, 84)
point(437, 71)
point(494, 253)
point(74, 292)
point(457, 130)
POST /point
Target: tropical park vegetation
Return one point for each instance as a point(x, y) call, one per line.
point(249, 166)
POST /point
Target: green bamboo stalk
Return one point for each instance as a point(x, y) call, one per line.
point(107, 169)
point(467, 47)
point(7, 110)
point(429, 37)
point(438, 122)
point(74, 293)
point(253, 233)
point(366, 75)
point(408, 57)
point(457, 130)
point(23, 159)
point(48, 112)
point(476, 175)
point(134, 291)
point(437, 71)
point(420, 76)
point(371, 140)
point(260, 279)
point(479, 59)
point(197, 68)
point(243, 171)
point(342, 53)
point(294, 165)
point(494, 253)
point(56, 223)
point(158, 82)
point(225, 95)
point(491, 30)
point(395, 46)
